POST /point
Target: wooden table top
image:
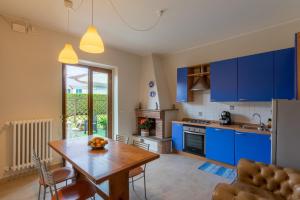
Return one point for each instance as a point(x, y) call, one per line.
point(99, 165)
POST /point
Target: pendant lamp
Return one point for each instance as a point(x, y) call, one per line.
point(91, 41)
point(67, 54)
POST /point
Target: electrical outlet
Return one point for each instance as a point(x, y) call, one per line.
point(200, 114)
point(231, 107)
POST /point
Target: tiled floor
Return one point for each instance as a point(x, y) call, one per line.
point(172, 177)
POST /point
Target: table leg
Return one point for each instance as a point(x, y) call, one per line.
point(119, 186)
point(102, 194)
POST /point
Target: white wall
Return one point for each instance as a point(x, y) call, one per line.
point(31, 80)
point(152, 70)
point(267, 40)
point(148, 74)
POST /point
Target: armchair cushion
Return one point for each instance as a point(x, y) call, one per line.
point(258, 181)
point(283, 182)
point(241, 191)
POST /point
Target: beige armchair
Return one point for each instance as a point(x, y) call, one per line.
point(257, 181)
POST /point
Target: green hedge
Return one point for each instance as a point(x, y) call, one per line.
point(78, 103)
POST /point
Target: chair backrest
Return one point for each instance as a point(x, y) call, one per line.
point(46, 176)
point(49, 180)
point(123, 139)
point(38, 165)
point(141, 145)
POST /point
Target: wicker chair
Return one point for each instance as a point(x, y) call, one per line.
point(123, 139)
point(59, 175)
point(139, 172)
point(81, 189)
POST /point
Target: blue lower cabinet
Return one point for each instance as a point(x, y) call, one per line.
point(252, 146)
point(220, 145)
point(177, 136)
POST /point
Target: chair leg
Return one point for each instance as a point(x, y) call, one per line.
point(145, 186)
point(39, 191)
point(44, 197)
point(132, 183)
point(51, 192)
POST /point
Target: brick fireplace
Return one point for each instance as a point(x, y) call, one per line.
point(162, 119)
point(160, 135)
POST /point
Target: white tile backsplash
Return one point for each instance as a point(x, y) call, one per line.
point(242, 112)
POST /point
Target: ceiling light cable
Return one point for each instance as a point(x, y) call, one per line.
point(92, 12)
point(68, 21)
point(160, 14)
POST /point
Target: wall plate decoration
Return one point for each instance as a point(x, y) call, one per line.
point(151, 84)
point(152, 94)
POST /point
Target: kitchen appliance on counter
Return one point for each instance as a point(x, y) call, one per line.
point(225, 118)
point(194, 139)
point(286, 133)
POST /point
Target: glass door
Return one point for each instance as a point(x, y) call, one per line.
point(87, 104)
point(101, 101)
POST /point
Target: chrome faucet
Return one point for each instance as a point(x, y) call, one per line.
point(261, 125)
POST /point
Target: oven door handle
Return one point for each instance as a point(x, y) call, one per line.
point(194, 133)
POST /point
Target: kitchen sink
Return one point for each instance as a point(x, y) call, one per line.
point(254, 127)
point(246, 126)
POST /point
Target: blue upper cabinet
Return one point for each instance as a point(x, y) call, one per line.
point(256, 77)
point(183, 92)
point(177, 136)
point(253, 146)
point(223, 76)
point(220, 145)
point(284, 71)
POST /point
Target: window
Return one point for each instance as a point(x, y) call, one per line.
point(78, 91)
point(68, 91)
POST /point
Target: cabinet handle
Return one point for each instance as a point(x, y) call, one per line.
point(239, 133)
point(242, 99)
point(217, 129)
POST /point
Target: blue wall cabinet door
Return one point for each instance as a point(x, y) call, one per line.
point(252, 146)
point(220, 145)
point(284, 71)
point(256, 77)
point(177, 136)
point(182, 85)
point(184, 94)
point(223, 79)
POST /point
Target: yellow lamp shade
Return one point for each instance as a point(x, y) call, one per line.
point(91, 41)
point(68, 55)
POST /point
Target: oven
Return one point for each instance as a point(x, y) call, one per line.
point(194, 140)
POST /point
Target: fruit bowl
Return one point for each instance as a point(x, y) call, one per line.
point(97, 143)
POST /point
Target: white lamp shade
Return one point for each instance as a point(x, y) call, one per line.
point(68, 55)
point(91, 41)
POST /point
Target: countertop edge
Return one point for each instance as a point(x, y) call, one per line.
point(230, 127)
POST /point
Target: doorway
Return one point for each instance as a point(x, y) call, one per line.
point(87, 101)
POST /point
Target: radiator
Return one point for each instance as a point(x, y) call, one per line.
point(29, 136)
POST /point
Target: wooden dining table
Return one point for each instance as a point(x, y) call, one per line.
point(112, 163)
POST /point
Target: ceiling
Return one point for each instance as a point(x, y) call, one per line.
point(186, 24)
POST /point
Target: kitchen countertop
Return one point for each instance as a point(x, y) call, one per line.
point(236, 127)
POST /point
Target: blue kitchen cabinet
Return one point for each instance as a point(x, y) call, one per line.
point(284, 74)
point(183, 92)
point(220, 145)
point(253, 146)
point(256, 77)
point(177, 136)
point(223, 75)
